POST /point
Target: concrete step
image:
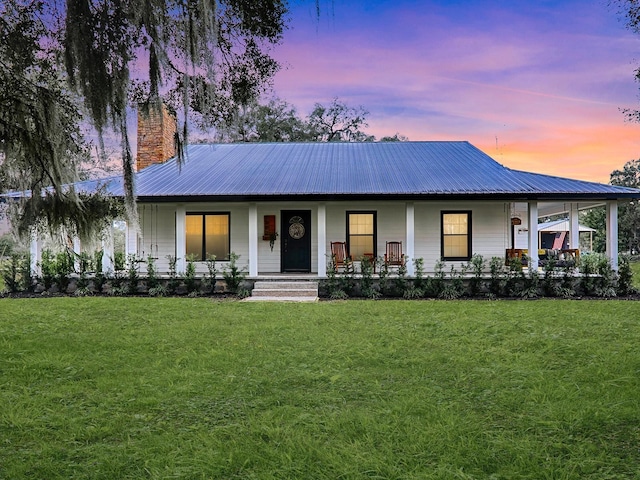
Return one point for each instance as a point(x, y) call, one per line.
point(281, 299)
point(290, 292)
point(275, 285)
point(285, 291)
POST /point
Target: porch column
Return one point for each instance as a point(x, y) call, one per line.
point(253, 240)
point(322, 240)
point(612, 233)
point(574, 227)
point(35, 253)
point(107, 250)
point(410, 241)
point(533, 235)
point(131, 240)
point(77, 248)
point(181, 238)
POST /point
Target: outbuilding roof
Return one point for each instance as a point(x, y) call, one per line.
point(426, 170)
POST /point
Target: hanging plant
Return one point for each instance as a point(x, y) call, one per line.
point(272, 239)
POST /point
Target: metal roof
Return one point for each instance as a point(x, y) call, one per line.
point(440, 169)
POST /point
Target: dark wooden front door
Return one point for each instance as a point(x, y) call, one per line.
point(295, 245)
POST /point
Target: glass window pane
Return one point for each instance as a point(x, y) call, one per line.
point(360, 245)
point(455, 235)
point(194, 235)
point(361, 223)
point(361, 234)
point(217, 237)
point(455, 246)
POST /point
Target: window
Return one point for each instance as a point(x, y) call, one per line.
point(208, 234)
point(361, 234)
point(456, 235)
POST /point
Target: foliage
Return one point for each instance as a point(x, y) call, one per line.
point(436, 284)
point(234, 275)
point(596, 219)
point(40, 139)
point(7, 245)
point(212, 273)
point(173, 282)
point(454, 287)
point(497, 280)
point(476, 265)
point(625, 276)
point(154, 287)
point(366, 281)
point(85, 261)
point(359, 389)
point(338, 122)
point(278, 121)
point(418, 266)
point(47, 268)
point(208, 57)
point(152, 274)
point(333, 286)
point(347, 279)
point(133, 273)
point(10, 272)
point(100, 277)
point(190, 279)
point(63, 267)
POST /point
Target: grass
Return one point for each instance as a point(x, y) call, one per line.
point(104, 388)
point(635, 268)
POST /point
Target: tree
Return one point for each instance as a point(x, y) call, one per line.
point(628, 213)
point(396, 138)
point(278, 121)
point(630, 9)
point(338, 122)
point(206, 53)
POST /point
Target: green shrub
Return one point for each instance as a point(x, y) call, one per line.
point(173, 282)
point(10, 271)
point(625, 276)
point(63, 265)
point(476, 265)
point(190, 279)
point(233, 275)
point(212, 273)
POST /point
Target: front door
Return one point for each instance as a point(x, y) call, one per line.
point(295, 245)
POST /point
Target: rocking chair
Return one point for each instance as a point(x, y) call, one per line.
point(339, 257)
point(394, 256)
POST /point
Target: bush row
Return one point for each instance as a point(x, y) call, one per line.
point(592, 275)
point(82, 274)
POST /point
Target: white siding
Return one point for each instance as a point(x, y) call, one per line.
point(490, 229)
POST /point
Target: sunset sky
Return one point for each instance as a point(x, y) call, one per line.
point(536, 84)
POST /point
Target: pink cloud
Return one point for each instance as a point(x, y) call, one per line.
point(551, 95)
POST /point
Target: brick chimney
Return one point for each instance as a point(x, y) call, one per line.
point(157, 128)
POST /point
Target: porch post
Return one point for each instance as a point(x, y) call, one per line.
point(76, 252)
point(253, 240)
point(35, 253)
point(107, 250)
point(574, 227)
point(533, 235)
point(181, 238)
point(410, 212)
point(131, 240)
point(612, 233)
point(322, 240)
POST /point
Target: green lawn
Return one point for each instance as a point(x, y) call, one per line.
point(118, 388)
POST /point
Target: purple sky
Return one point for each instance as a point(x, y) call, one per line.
point(536, 84)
